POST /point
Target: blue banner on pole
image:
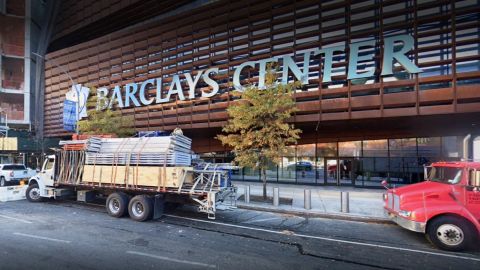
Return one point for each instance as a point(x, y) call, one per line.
point(69, 115)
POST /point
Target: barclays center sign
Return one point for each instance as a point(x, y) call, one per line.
point(395, 49)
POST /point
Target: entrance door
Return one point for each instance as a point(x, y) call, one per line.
point(339, 171)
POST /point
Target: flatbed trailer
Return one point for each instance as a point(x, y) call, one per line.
point(207, 186)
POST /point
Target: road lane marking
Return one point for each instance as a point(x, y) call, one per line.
point(42, 237)
point(332, 239)
point(172, 260)
point(16, 219)
point(260, 220)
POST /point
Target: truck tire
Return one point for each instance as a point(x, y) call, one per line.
point(33, 193)
point(117, 204)
point(450, 233)
point(2, 182)
point(140, 208)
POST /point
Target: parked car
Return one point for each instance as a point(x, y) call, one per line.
point(300, 166)
point(14, 173)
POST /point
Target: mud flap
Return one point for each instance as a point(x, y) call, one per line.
point(211, 205)
point(158, 206)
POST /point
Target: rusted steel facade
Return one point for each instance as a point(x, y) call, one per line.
point(225, 34)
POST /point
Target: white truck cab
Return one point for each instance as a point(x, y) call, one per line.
point(42, 184)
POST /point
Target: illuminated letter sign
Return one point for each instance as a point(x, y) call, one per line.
point(395, 50)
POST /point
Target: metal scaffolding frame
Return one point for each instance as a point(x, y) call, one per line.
point(3, 124)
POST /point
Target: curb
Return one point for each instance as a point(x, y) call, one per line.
point(338, 216)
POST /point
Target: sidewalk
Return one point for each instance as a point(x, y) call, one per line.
point(365, 204)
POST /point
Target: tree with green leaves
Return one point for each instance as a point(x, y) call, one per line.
point(258, 130)
point(102, 119)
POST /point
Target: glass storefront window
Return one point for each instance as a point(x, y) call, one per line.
point(359, 163)
point(272, 172)
point(237, 174)
point(326, 149)
point(429, 150)
point(350, 149)
point(287, 170)
point(324, 152)
point(305, 165)
point(306, 150)
point(452, 147)
point(375, 170)
point(320, 170)
point(429, 147)
point(250, 174)
point(405, 170)
point(375, 148)
point(291, 151)
point(403, 147)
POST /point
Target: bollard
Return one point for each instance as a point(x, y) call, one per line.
point(276, 196)
point(246, 196)
point(307, 199)
point(345, 202)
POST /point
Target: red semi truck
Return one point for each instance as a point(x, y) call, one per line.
point(445, 207)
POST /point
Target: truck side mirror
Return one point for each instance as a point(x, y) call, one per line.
point(426, 171)
point(385, 184)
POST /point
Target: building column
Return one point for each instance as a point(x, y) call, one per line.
point(27, 94)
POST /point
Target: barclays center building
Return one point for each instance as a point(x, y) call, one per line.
point(386, 86)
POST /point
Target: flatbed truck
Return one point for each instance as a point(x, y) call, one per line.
point(206, 186)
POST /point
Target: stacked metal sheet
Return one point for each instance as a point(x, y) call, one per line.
point(72, 142)
point(174, 150)
point(73, 145)
point(93, 144)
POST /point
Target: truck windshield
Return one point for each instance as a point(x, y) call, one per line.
point(447, 175)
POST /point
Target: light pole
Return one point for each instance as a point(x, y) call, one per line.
point(77, 114)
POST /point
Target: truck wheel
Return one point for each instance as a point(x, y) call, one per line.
point(140, 208)
point(450, 233)
point(33, 193)
point(117, 204)
point(2, 182)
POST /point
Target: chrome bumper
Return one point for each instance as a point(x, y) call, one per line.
point(406, 223)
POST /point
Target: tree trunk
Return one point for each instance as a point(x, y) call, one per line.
point(264, 180)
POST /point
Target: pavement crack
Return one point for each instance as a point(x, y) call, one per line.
point(285, 219)
point(299, 224)
point(250, 218)
point(299, 247)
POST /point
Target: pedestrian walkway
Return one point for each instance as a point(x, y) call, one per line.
point(325, 200)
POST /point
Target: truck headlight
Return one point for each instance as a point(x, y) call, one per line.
point(385, 196)
point(404, 213)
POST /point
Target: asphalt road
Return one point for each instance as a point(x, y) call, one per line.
point(69, 235)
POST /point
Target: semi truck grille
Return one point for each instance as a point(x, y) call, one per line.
point(396, 203)
point(390, 201)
